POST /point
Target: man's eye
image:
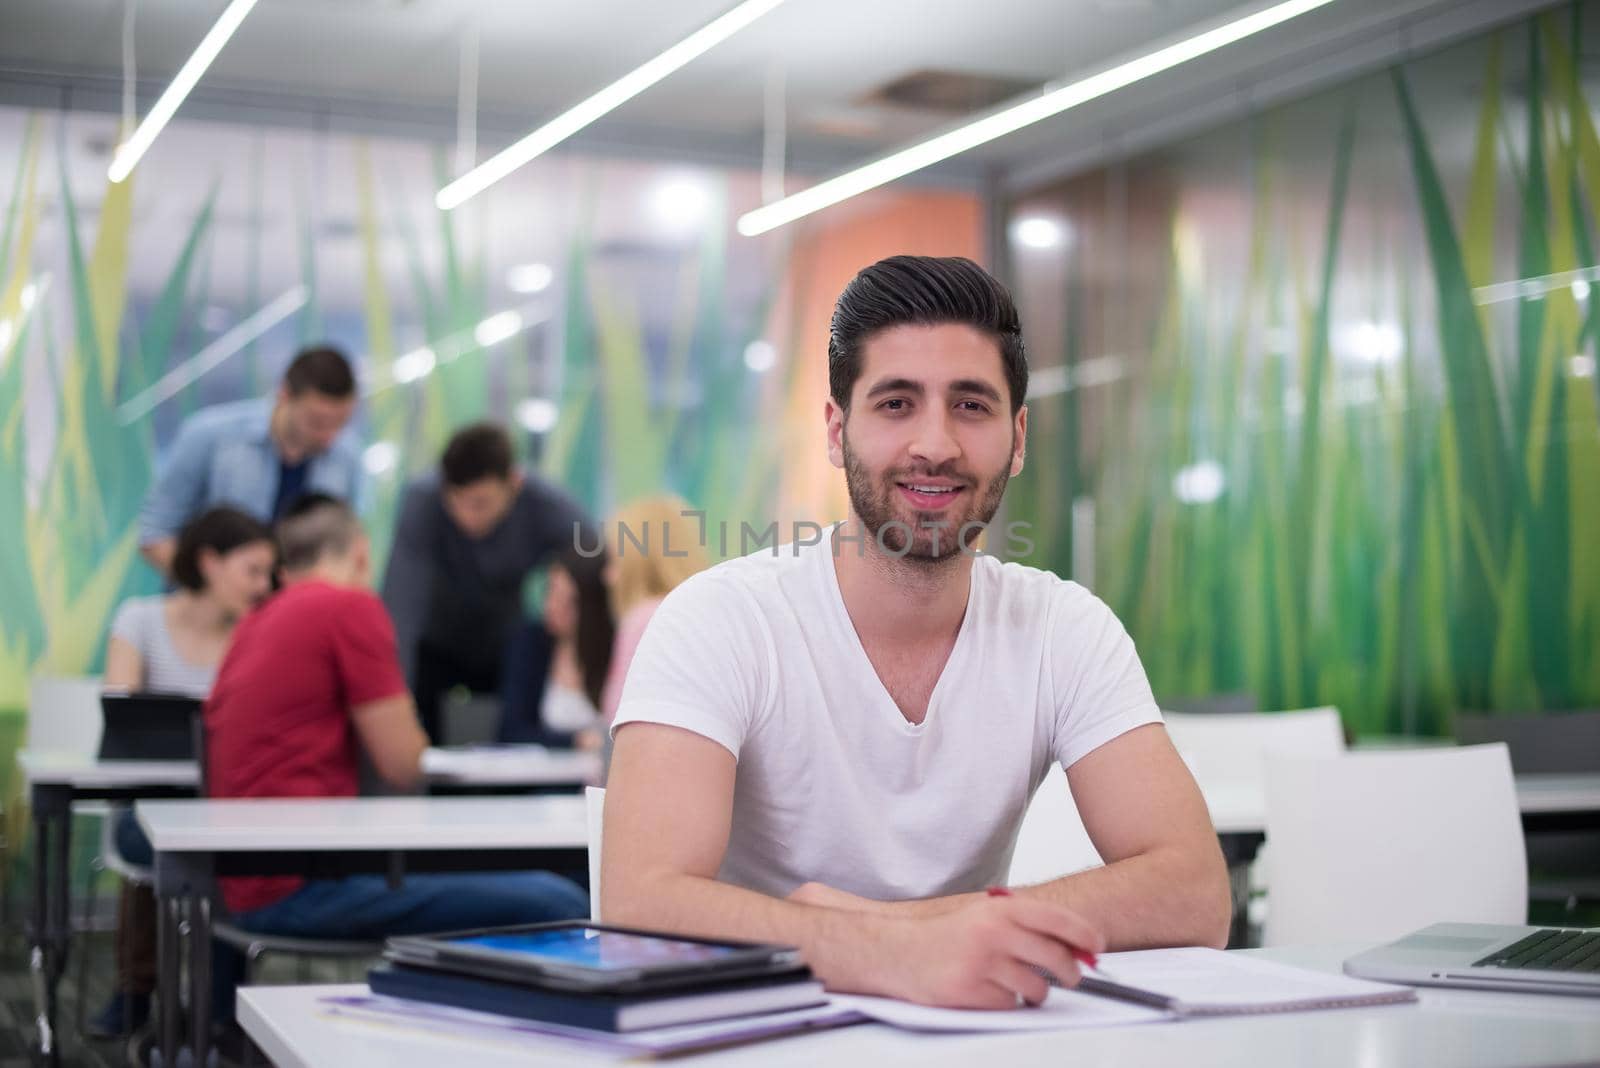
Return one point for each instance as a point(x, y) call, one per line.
point(894, 404)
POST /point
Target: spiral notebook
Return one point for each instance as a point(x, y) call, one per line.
point(1152, 986)
point(1208, 982)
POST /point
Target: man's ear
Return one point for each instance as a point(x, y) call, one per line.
point(834, 414)
point(1020, 447)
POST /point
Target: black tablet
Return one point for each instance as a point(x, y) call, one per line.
point(593, 957)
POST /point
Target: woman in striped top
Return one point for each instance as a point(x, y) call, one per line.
point(173, 643)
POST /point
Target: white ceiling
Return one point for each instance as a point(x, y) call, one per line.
point(397, 61)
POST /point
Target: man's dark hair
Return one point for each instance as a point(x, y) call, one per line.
point(476, 452)
point(922, 291)
point(221, 530)
point(316, 525)
point(322, 369)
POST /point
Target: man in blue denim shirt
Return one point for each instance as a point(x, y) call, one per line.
point(259, 455)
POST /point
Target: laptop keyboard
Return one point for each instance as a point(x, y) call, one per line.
point(1549, 950)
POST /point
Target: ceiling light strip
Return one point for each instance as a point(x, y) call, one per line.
point(608, 99)
point(1053, 100)
point(130, 151)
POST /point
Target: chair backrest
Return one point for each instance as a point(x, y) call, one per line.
point(64, 715)
point(1370, 846)
point(1223, 747)
point(1052, 841)
point(1551, 742)
point(595, 798)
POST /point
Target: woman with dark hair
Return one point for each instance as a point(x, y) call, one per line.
point(572, 643)
point(173, 643)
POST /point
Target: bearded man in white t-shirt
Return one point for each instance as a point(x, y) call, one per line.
point(831, 743)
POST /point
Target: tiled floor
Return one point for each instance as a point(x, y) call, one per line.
point(17, 1009)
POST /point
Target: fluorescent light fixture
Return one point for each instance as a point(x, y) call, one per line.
point(168, 385)
point(1579, 281)
point(538, 415)
point(608, 99)
point(133, 149)
point(530, 278)
point(1372, 343)
point(679, 205)
point(1036, 231)
point(1199, 483)
point(760, 356)
point(1581, 366)
point(419, 363)
point(1051, 101)
point(380, 457)
point(497, 328)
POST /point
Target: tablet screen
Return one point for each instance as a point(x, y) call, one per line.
point(588, 947)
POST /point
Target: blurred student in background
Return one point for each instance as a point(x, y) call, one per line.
point(467, 537)
point(222, 564)
point(655, 543)
point(553, 684)
point(259, 455)
point(310, 679)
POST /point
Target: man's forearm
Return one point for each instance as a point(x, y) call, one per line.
point(1162, 898)
point(845, 949)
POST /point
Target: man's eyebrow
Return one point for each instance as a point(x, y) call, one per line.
point(895, 385)
point(975, 385)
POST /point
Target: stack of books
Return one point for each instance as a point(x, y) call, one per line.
point(628, 991)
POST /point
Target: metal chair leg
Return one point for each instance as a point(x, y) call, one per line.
point(91, 901)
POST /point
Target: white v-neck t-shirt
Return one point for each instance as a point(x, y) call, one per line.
point(834, 785)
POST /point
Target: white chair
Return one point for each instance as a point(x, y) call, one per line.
point(1052, 841)
point(64, 715)
point(595, 798)
point(1370, 846)
point(1229, 747)
point(1228, 751)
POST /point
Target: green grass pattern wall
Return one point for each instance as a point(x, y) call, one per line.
point(1322, 310)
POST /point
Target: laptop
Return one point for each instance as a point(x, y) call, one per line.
point(1478, 956)
point(147, 726)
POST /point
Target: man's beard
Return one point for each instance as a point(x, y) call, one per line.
point(874, 500)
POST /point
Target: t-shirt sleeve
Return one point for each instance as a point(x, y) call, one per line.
point(1101, 690)
point(364, 651)
point(702, 664)
point(132, 623)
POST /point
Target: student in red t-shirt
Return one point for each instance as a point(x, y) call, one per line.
point(311, 676)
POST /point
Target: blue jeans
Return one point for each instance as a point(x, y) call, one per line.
point(364, 907)
point(130, 840)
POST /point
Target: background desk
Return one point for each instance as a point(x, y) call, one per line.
point(55, 782)
point(196, 841)
point(1458, 1028)
point(58, 780)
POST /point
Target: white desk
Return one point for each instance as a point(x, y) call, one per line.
point(1545, 800)
point(485, 768)
point(1458, 1028)
point(195, 841)
point(56, 781)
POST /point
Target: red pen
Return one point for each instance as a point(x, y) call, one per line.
point(1082, 956)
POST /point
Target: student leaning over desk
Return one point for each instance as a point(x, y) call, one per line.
point(833, 744)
